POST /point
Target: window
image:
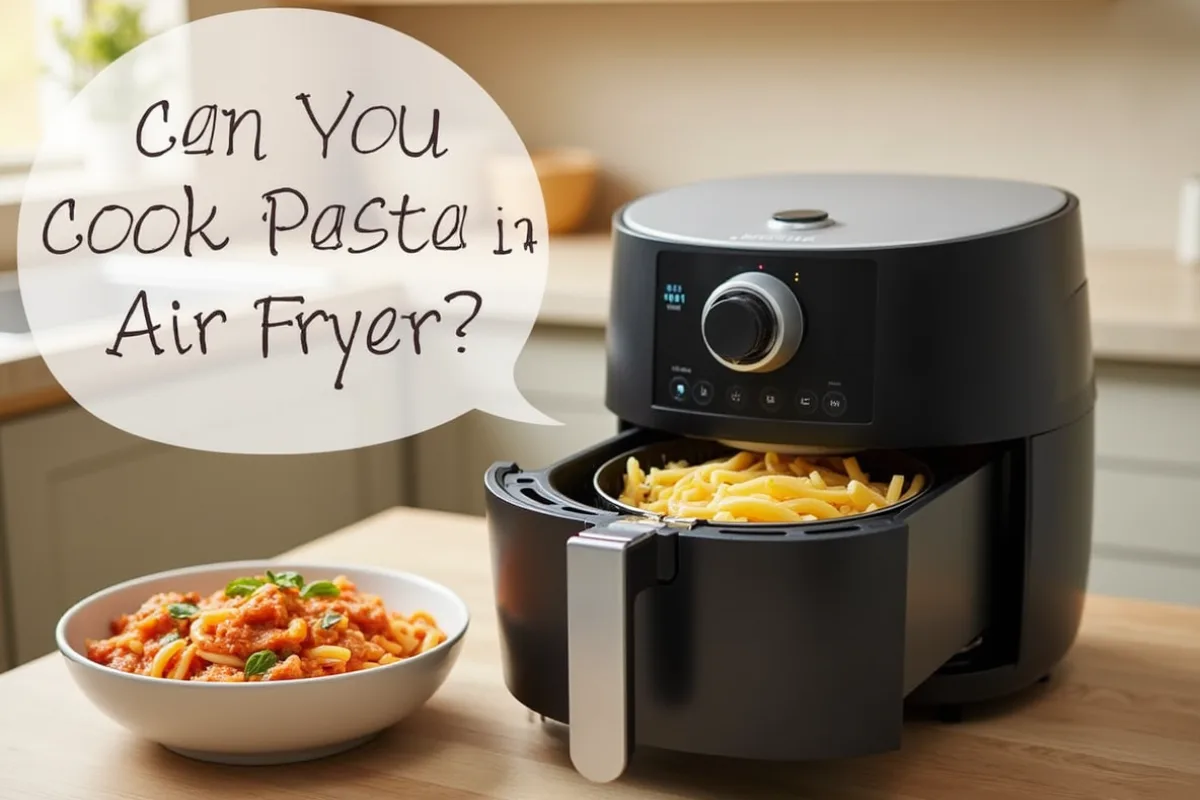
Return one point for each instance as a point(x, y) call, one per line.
point(20, 67)
point(31, 63)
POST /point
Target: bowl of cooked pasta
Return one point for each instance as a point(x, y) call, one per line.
point(263, 662)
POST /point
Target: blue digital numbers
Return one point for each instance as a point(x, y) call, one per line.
point(673, 294)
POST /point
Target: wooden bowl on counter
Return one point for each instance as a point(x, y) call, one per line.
point(568, 178)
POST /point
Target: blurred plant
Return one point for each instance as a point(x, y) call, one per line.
point(109, 31)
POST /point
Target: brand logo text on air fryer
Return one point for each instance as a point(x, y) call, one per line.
point(772, 237)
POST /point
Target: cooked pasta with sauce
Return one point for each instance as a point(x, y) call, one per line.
point(758, 487)
point(269, 627)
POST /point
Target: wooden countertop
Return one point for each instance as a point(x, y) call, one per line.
point(1120, 720)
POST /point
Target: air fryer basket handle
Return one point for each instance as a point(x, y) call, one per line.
point(607, 567)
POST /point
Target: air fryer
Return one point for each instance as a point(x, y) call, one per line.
point(923, 324)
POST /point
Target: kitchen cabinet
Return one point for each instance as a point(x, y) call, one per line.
point(1147, 492)
point(1147, 510)
point(5, 657)
point(560, 371)
point(86, 505)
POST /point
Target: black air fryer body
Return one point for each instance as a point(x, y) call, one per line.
point(944, 317)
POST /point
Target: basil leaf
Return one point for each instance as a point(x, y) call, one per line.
point(260, 662)
point(170, 637)
point(182, 610)
point(330, 619)
point(240, 587)
point(320, 589)
point(286, 580)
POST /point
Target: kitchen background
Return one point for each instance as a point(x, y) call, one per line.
point(1099, 96)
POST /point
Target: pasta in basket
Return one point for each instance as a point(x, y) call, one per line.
point(264, 628)
point(757, 487)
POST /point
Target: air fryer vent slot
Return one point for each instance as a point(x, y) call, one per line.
point(756, 531)
point(784, 531)
point(585, 511)
point(837, 529)
point(753, 531)
point(533, 495)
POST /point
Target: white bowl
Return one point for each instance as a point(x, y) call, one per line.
point(263, 722)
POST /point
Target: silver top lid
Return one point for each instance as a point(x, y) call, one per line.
point(839, 212)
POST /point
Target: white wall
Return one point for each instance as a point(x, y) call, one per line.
point(1102, 98)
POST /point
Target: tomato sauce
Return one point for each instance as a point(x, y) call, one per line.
point(263, 628)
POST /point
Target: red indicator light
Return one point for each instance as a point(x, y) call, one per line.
point(760, 266)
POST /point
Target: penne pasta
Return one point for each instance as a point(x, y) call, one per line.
point(185, 662)
point(863, 495)
point(221, 658)
point(210, 619)
point(297, 629)
point(163, 657)
point(770, 487)
point(330, 652)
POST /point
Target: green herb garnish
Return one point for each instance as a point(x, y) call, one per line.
point(330, 619)
point(285, 580)
point(260, 662)
point(170, 637)
point(182, 610)
point(320, 589)
point(240, 587)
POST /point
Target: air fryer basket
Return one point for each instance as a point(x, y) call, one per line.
point(609, 478)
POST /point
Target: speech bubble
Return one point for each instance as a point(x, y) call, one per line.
point(299, 232)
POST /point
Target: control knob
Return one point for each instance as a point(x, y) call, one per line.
point(752, 323)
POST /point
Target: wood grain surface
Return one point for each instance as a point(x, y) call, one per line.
point(1121, 719)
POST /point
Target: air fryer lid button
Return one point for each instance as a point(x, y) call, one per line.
point(801, 219)
point(801, 215)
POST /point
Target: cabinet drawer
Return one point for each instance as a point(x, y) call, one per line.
point(1161, 582)
point(1158, 511)
point(5, 659)
point(1148, 413)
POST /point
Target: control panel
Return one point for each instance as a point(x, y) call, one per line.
point(789, 338)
